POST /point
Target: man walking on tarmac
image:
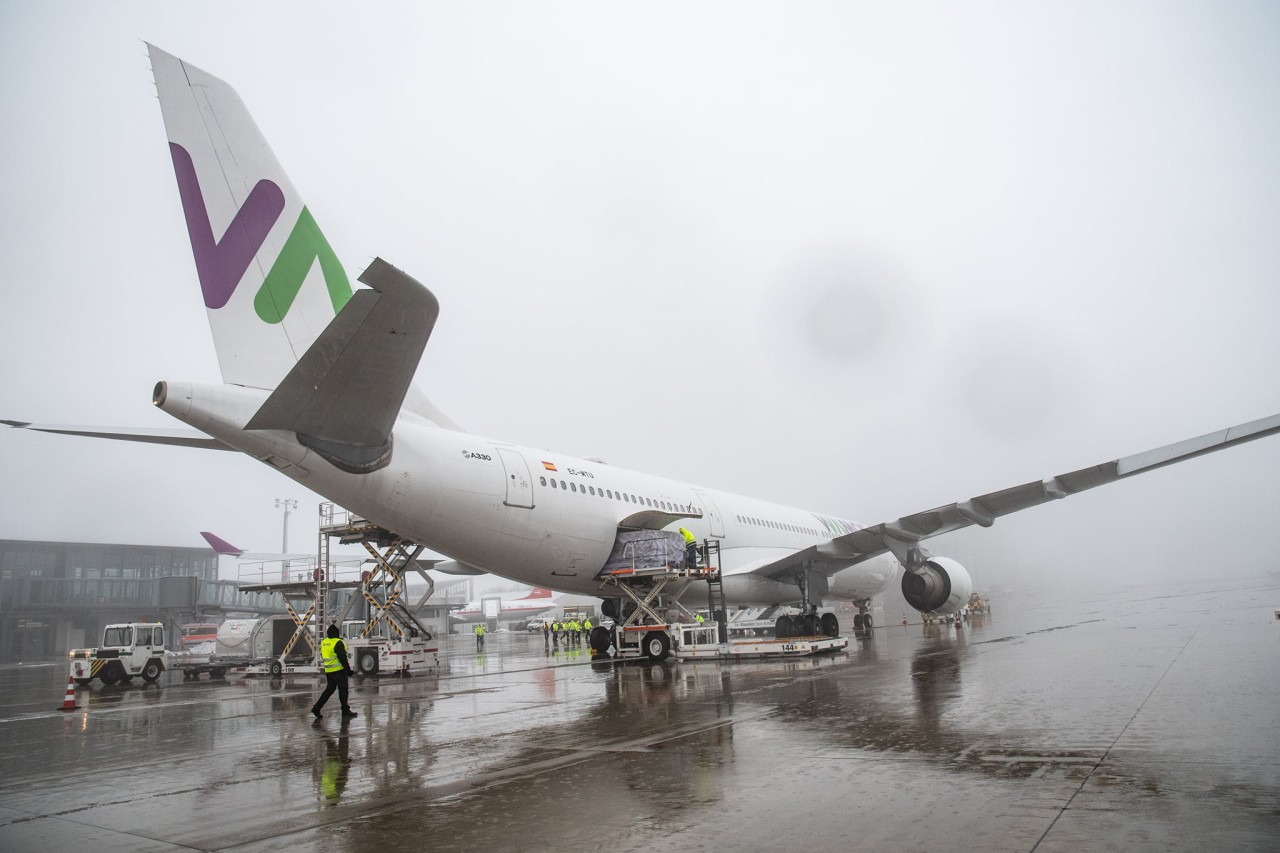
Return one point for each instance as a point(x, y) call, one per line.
point(479, 630)
point(333, 655)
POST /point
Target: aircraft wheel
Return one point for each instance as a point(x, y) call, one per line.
point(830, 625)
point(657, 645)
point(866, 621)
point(151, 671)
point(600, 639)
point(857, 622)
point(609, 607)
point(783, 628)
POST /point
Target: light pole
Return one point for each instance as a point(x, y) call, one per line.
point(287, 504)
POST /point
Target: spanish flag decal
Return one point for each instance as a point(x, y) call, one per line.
point(549, 466)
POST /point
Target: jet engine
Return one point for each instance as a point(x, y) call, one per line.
point(942, 587)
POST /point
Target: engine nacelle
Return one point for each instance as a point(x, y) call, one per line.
point(942, 589)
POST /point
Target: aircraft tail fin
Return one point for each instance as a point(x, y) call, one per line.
point(221, 546)
point(271, 282)
point(538, 592)
point(256, 245)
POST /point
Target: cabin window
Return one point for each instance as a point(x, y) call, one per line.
point(542, 480)
point(573, 487)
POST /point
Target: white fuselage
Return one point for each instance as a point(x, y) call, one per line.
point(534, 516)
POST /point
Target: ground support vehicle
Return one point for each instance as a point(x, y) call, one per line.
point(136, 649)
point(379, 654)
point(274, 645)
point(701, 641)
point(644, 632)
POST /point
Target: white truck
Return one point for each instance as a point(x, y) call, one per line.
point(133, 649)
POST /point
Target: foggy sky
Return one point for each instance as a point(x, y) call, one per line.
point(896, 256)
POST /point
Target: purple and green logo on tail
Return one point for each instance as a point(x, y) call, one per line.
point(221, 264)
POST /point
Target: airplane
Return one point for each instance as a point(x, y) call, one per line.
point(223, 548)
point(317, 383)
point(539, 600)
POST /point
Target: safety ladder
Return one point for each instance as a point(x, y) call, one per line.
point(715, 587)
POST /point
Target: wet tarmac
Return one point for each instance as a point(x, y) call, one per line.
point(1128, 722)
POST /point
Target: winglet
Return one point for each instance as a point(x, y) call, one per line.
point(221, 546)
point(343, 396)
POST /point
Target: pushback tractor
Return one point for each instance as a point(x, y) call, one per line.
point(135, 649)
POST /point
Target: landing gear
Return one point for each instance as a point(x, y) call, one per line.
point(830, 625)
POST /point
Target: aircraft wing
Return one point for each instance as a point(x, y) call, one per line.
point(902, 535)
point(176, 437)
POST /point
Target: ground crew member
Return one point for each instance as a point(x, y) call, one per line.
point(479, 629)
point(586, 628)
point(697, 617)
point(333, 656)
point(690, 548)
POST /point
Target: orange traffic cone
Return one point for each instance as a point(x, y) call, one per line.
point(69, 703)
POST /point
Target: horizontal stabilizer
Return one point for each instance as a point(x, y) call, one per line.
point(343, 396)
point(174, 437)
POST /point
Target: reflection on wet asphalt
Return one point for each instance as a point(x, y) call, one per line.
point(1123, 722)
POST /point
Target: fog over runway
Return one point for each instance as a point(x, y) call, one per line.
point(1132, 721)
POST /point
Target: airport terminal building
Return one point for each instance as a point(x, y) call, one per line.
point(56, 596)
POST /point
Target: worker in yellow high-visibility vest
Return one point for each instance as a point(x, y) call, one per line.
point(333, 656)
point(690, 548)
